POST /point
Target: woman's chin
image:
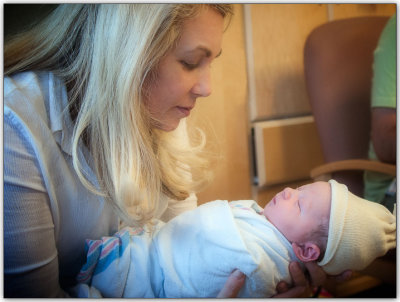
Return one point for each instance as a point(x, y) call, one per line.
point(168, 126)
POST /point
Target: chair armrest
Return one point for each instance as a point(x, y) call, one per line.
point(353, 164)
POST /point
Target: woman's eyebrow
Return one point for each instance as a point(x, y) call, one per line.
point(205, 50)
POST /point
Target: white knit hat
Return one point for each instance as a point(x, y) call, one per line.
point(359, 231)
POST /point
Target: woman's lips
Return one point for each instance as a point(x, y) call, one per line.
point(185, 110)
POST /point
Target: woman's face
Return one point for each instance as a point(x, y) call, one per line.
point(184, 73)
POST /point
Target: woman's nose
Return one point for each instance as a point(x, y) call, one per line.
point(202, 87)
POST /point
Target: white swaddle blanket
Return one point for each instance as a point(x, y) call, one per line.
point(191, 256)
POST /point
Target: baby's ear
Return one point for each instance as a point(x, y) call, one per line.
point(306, 252)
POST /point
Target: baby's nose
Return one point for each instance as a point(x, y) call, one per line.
point(287, 193)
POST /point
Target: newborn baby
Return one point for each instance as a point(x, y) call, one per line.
point(192, 255)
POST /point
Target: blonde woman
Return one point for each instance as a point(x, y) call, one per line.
point(95, 98)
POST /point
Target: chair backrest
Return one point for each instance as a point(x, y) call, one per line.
point(338, 59)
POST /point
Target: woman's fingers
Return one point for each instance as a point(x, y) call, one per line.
point(343, 276)
point(301, 285)
point(317, 274)
point(298, 276)
point(294, 292)
point(282, 287)
point(233, 285)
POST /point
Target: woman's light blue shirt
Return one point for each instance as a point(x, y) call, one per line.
point(48, 213)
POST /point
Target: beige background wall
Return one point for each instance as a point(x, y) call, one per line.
point(267, 86)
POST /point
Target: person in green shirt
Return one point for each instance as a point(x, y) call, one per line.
point(380, 187)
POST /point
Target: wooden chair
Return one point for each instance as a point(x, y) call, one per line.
point(338, 59)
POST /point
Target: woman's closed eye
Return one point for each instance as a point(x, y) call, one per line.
point(189, 66)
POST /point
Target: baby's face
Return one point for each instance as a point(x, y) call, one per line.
point(297, 212)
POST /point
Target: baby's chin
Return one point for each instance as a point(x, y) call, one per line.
point(266, 210)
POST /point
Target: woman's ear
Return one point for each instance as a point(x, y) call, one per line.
point(306, 252)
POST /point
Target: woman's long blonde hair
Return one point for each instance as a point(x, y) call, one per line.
point(105, 53)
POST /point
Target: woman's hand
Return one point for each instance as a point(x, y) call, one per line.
point(302, 286)
point(233, 285)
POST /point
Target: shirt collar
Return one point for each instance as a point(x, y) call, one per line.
point(60, 121)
